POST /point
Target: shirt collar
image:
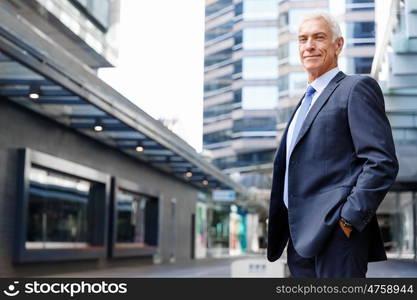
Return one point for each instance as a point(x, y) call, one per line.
point(320, 83)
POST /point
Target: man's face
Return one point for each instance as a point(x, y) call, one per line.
point(318, 53)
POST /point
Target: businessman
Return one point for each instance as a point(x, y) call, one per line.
point(335, 163)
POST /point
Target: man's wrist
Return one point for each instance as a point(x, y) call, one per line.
point(346, 227)
point(345, 223)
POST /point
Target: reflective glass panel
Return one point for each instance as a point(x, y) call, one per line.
point(260, 67)
point(259, 97)
point(260, 9)
point(260, 38)
point(58, 210)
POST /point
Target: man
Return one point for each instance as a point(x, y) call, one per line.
point(335, 163)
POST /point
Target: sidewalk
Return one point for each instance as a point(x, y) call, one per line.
point(221, 268)
point(393, 268)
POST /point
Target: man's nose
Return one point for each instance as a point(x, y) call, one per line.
point(310, 44)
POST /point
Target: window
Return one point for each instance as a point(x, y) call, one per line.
point(135, 220)
point(237, 67)
point(283, 83)
point(260, 38)
point(357, 65)
point(218, 31)
point(98, 11)
point(238, 9)
point(238, 37)
point(259, 97)
point(218, 57)
point(256, 157)
point(218, 110)
point(61, 207)
point(260, 10)
point(218, 83)
point(294, 56)
point(284, 114)
point(283, 51)
point(283, 19)
point(297, 82)
point(363, 65)
point(356, 5)
point(255, 124)
point(58, 213)
point(289, 51)
point(217, 6)
point(217, 137)
point(260, 67)
point(358, 30)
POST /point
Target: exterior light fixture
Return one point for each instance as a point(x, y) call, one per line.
point(139, 147)
point(34, 92)
point(205, 182)
point(98, 126)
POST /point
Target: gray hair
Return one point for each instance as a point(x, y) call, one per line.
point(330, 20)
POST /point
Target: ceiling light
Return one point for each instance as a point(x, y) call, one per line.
point(98, 126)
point(188, 174)
point(34, 96)
point(34, 91)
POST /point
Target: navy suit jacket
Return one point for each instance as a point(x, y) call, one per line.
point(342, 165)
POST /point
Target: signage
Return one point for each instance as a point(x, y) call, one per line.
point(224, 195)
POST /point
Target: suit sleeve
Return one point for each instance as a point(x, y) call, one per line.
point(374, 148)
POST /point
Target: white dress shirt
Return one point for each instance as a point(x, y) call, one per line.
point(319, 84)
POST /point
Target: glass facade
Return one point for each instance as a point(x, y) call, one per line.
point(59, 210)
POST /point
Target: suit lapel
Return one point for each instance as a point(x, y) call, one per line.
point(283, 142)
point(314, 110)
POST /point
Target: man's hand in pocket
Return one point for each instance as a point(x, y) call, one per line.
point(346, 229)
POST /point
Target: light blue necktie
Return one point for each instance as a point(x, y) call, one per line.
point(302, 113)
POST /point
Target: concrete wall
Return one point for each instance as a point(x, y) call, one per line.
point(21, 128)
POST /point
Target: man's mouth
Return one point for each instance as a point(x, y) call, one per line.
point(310, 56)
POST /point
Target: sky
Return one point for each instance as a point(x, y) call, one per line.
point(161, 62)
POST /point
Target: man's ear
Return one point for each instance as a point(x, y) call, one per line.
point(339, 45)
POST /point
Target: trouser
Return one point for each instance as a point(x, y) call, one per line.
point(340, 256)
